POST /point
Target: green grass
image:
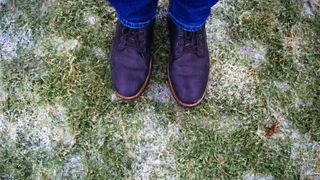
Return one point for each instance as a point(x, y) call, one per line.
point(60, 117)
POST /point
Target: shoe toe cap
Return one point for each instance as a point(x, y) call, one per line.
point(188, 95)
point(128, 89)
point(188, 83)
point(127, 83)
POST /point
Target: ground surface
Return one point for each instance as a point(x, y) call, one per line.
point(60, 118)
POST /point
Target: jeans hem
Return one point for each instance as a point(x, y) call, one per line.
point(135, 25)
point(182, 25)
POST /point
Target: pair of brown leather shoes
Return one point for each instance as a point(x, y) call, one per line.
point(188, 67)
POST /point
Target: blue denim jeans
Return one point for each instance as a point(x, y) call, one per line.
point(189, 15)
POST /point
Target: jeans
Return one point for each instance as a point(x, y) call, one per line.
point(189, 15)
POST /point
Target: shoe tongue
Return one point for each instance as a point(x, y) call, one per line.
point(190, 41)
point(132, 39)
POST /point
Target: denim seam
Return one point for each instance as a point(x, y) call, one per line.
point(183, 25)
point(135, 25)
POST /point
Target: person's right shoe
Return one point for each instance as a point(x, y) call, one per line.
point(188, 68)
point(130, 60)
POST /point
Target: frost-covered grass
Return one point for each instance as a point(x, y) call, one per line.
point(60, 118)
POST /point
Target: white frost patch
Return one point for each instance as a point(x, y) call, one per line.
point(163, 2)
point(311, 7)
point(318, 73)
point(304, 151)
point(152, 155)
point(295, 44)
point(59, 44)
point(3, 94)
point(228, 124)
point(91, 19)
point(163, 10)
point(3, 123)
point(283, 86)
point(64, 46)
point(159, 92)
point(255, 52)
point(8, 47)
point(299, 103)
point(100, 129)
point(41, 128)
point(11, 41)
point(98, 52)
point(251, 176)
point(114, 97)
point(45, 6)
point(217, 31)
point(74, 168)
point(231, 80)
point(3, 4)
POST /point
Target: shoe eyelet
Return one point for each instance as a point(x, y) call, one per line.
point(121, 46)
point(180, 42)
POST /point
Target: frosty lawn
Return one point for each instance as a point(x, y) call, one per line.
point(61, 119)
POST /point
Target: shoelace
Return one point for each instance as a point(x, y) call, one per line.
point(130, 38)
point(192, 42)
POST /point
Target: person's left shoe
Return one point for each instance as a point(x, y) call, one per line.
point(188, 68)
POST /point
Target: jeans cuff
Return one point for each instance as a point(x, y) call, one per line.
point(183, 25)
point(135, 25)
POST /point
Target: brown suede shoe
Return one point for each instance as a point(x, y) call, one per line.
point(188, 68)
point(130, 60)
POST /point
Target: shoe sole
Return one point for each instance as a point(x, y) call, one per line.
point(185, 105)
point(139, 93)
